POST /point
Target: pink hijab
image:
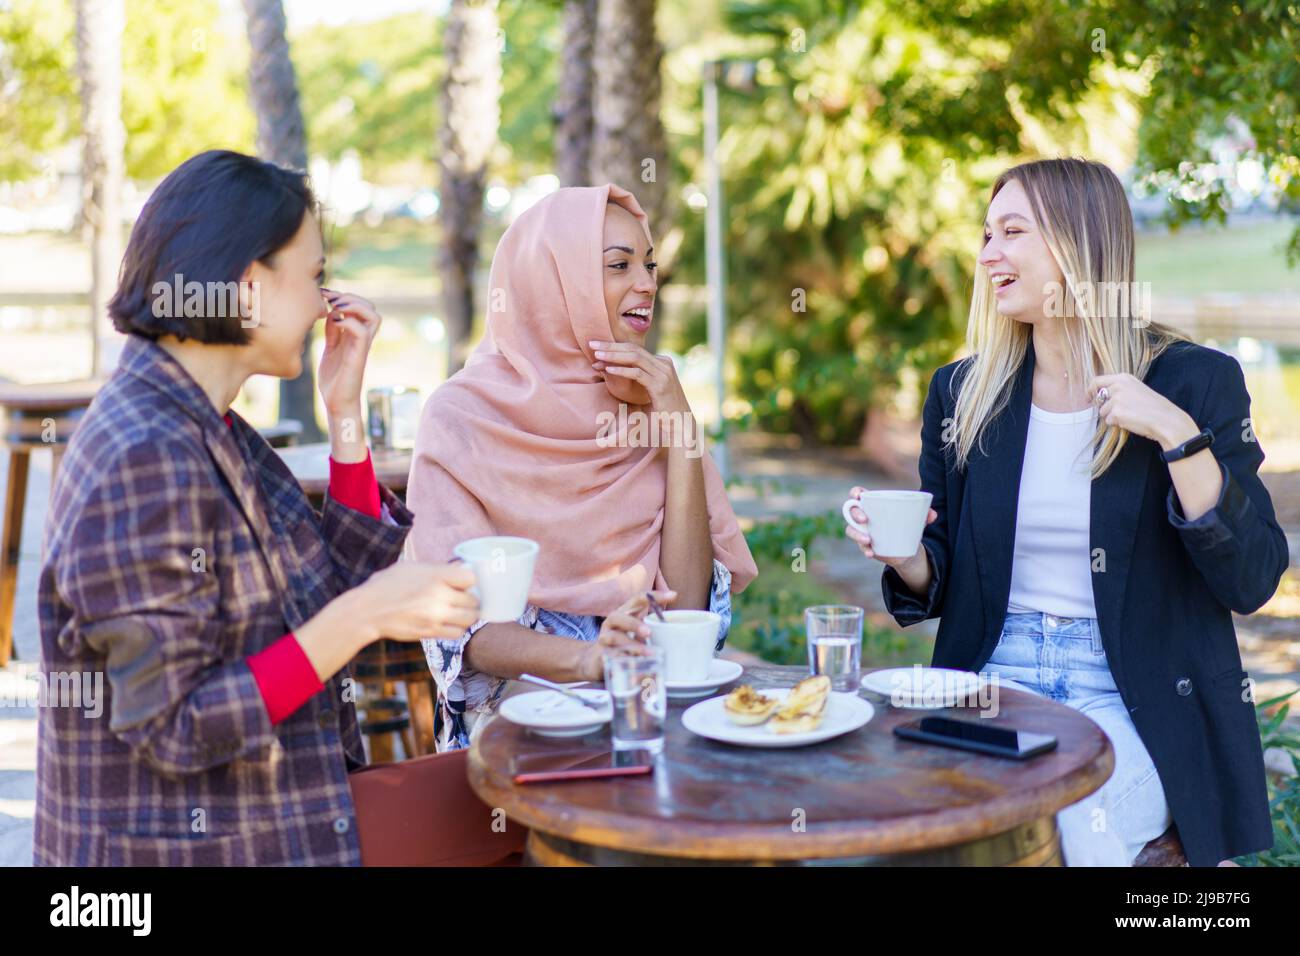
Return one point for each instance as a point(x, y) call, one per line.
point(508, 445)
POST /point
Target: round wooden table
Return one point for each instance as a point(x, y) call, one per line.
point(867, 798)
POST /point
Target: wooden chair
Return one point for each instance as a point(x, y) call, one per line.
point(1164, 850)
point(379, 668)
point(35, 417)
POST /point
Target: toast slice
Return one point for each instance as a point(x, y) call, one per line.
point(747, 707)
point(804, 708)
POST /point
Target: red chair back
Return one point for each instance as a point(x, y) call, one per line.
point(422, 812)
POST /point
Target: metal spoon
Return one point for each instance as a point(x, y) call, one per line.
point(559, 689)
point(655, 606)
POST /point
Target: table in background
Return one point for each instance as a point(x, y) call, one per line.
point(866, 798)
point(35, 416)
point(310, 464)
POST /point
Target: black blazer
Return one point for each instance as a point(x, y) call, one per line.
point(1164, 600)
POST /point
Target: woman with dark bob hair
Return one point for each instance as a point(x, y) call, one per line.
point(185, 564)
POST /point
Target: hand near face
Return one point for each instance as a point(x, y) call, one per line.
point(655, 373)
point(350, 329)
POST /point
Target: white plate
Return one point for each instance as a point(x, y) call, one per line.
point(844, 713)
point(922, 688)
point(720, 672)
point(551, 714)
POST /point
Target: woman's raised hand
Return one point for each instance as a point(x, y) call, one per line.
point(655, 373)
point(350, 327)
point(624, 628)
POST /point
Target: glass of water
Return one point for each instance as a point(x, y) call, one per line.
point(639, 697)
point(835, 643)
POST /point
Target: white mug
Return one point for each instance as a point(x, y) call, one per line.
point(503, 573)
point(895, 520)
point(688, 639)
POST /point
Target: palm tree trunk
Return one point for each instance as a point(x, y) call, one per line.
point(100, 24)
point(628, 143)
point(282, 139)
point(573, 129)
point(471, 95)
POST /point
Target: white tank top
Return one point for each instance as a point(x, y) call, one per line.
point(1051, 571)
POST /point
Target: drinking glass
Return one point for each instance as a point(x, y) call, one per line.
point(639, 697)
point(835, 643)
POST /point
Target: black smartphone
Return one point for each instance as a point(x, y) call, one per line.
point(580, 765)
point(979, 736)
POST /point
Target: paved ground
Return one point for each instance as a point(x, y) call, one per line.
point(809, 483)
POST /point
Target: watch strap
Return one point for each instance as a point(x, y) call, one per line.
point(1190, 447)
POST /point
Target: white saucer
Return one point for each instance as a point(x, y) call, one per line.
point(552, 714)
point(845, 712)
point(720, 672)
point(922, 688)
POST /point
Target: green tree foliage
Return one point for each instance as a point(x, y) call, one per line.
point(530, 70)
point(37, 84)
point(856, 170)
point(1212, 62)
point(368, 86)
point(182, 86)
point(372, 87)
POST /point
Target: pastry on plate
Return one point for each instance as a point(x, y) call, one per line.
point(804, 708)
point(746, 706)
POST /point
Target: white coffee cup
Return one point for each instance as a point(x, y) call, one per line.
point(895, 520)
point(688, 639)
point(503, 573)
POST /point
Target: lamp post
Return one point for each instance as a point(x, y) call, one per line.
point(714, 264)
point(737, 74)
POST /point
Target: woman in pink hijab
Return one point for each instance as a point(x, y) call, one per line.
point(562, 428)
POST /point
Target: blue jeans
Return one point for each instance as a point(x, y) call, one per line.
point(1062, 659)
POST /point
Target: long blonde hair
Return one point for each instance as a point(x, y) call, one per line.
point(1086, 222)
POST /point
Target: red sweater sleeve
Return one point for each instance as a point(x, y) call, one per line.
point(354, 485)
point(285, 677)
point(283, 673)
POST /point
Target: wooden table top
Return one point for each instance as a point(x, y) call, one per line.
point(310, 464)
point(864, 793)
point(48, 396)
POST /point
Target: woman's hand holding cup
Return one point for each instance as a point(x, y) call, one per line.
point(405, 602)
point(856, 515)
point(624, 628)
point(414, 599)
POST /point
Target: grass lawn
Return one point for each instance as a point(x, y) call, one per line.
point(1246, 257)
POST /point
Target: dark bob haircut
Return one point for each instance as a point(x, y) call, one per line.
point(212, 217)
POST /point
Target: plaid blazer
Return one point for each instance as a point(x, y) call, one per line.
point(175, 547)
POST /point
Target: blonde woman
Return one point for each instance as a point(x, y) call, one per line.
point(1097, 516)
